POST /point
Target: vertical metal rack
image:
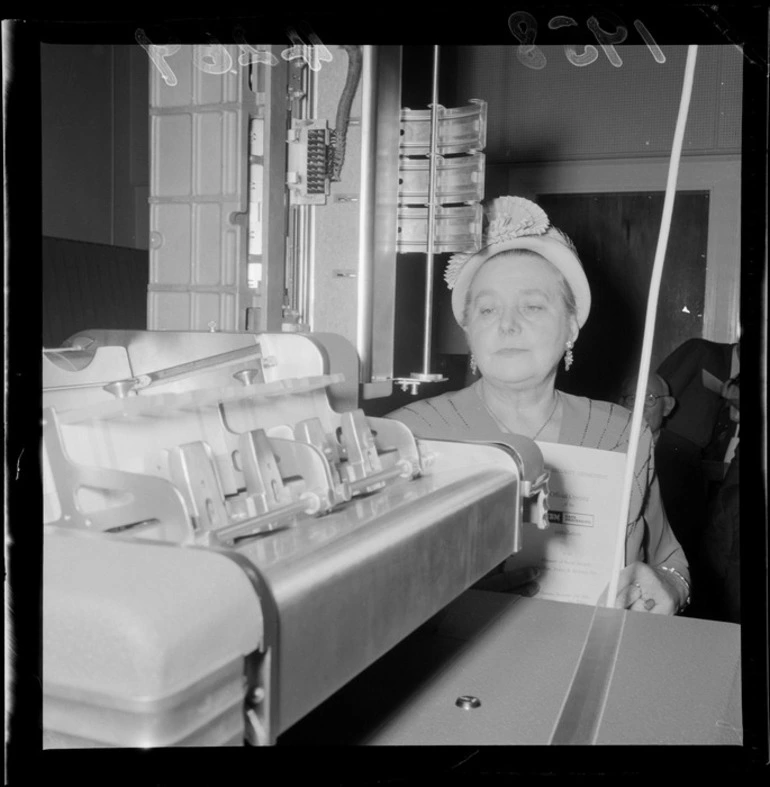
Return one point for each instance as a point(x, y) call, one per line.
point(429, 224)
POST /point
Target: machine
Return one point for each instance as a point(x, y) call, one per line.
point(224, 549)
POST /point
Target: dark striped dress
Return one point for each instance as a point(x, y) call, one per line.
point(585, 422)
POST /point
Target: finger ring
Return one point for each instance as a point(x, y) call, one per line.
point(637, 585)
point(649, 604)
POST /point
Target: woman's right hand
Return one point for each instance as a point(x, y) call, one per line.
point(645, 588)
point(520, 581)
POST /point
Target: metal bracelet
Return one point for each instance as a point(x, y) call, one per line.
point(686, 585)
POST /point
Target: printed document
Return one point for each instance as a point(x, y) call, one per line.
point(576, 552)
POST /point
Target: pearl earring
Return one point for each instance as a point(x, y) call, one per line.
point(568, 357)
point(473, 364)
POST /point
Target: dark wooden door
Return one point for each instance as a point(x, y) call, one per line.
point(616, 236)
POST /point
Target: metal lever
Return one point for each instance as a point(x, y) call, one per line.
point(191, 468)
point(260, 468)
point(299, 460)
point(363, 470)
point(358, 441)
point(311, 432)
point(121, 388)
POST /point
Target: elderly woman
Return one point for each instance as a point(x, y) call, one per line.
point(522, 300)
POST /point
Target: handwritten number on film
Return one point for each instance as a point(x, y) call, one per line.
point(250, 54)
point(214, 58)
point(312, 55)
point(523, 26)
point(158, 55)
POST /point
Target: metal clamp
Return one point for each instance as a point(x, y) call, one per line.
point(312, 433)
point(192, 471)
point(369, 465)
point(360, 449)
point(276, 502)
point(416, 379)
point(538, 494)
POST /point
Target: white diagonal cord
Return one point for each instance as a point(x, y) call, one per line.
point(649, 323)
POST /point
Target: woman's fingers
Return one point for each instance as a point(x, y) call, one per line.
point(523, 576)
point(494, 582)
point(529, 590)
point(520, 581)
point(629, 597)
point(645, 595)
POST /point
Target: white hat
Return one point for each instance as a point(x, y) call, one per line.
point(517, 223)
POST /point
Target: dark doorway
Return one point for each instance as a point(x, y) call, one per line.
point(616, 235)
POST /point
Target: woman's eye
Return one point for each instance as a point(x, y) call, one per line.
point(533, 307)
point(486, 310)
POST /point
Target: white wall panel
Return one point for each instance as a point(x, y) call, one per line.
point(199, 166)
point(207, 260)
point(170, 243)
point(170, 310)
point(172, 142)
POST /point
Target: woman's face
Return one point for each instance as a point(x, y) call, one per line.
point(517, 322)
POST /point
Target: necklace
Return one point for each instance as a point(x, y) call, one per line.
point(537, 434)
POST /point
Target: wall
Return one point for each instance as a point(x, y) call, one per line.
point(600, 128)
point(565, 113)
point(95, 143)
point(90, 285)
point(95, 175)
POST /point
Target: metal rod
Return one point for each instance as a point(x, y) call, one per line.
point(376, 478)
point(303, 215)
point(202, 364)
point(291, 261)
point(270, 520)
point(367, 208)
point(433, 154)
point(173, 372)
point(311, 111)
point(302, 264)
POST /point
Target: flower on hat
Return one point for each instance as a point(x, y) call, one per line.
point(509, 218)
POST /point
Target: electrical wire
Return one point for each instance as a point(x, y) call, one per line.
point(355, 67)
